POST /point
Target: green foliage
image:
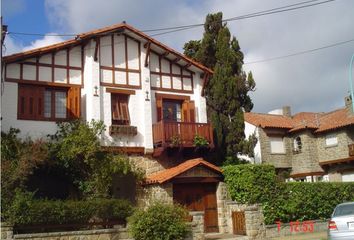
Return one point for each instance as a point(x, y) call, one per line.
point(284, 201)
point(159, 222)
point(76, 148)
point(200, 141)
point(27, 211)
point(250, 183)
point(227, 91)
point(19, 158)
point(176, 141)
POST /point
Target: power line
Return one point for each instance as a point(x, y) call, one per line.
point(286, 8)
point(300, 53)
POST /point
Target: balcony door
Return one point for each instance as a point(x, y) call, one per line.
point(175, 109)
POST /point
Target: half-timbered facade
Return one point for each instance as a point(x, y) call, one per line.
point(149, 96)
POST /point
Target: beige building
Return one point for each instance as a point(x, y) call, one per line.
point(309, 146)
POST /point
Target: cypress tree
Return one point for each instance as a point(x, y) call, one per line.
point(227, 90)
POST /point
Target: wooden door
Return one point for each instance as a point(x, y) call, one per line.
point(211, 210)
point(199, 197)
point(239, 223)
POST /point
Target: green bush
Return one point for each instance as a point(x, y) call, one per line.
point(159, 222)
point(27, 211)
point(249, 183)
point(284, 201)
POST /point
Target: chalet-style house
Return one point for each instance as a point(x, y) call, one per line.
point(149, 96)
point(311, 146)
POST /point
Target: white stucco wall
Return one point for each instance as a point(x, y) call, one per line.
point(142, 105)
point(28, 128)
point(249, 130)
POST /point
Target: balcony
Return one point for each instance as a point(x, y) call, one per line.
point(182, 134)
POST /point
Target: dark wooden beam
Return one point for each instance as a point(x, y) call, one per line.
point(147, 56)
point(187, 65)
point(165, 54)
point(176, 60)
point(97, 40)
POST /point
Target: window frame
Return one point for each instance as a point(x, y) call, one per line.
point(270, 145)
point(37, 92)
point(329, 137)
point(118, 97)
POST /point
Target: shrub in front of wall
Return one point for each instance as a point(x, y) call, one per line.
point(159, 222)
point(249, 183)
point(281, 201)
point(27, 211)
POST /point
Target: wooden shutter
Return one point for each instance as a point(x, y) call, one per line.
point(73, 102)
point(124, 109)
point(159, 108)
point(115, 107)
point(191, 111)
point(188, 111)
point(30, 102)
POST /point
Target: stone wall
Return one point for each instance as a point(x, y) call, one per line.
point(222, 197)
point(305, 160)
point(255, 228)
point(151, 193)
point(272, 231)
point(339, 151)
point(117, 233)
point(279, 160)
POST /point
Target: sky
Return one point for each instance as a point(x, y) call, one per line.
point(313, 82)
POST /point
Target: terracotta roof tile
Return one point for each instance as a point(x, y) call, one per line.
point(336, 119)
point(320, 122)
point(168, 174)
point(269, 120)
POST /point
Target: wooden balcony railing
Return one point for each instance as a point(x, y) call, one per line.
point(168, 133)
point(351, 149)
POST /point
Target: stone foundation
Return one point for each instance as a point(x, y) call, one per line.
point(152, 193)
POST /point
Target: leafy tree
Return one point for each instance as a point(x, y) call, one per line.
point(227, 91)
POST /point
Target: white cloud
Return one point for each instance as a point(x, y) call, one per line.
point(311, 82)
point(11, 46)
point(45, 41)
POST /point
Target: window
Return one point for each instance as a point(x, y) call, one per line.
point(172, 110)
point(120, 111)
point(48, 103)
point(276, 145)
point(331, 140)
point(297, 144)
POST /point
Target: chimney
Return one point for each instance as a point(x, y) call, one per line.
point(348, 105)
point(287, 111)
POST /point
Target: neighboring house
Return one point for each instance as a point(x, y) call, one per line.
point(311, 146)
point(149, 96)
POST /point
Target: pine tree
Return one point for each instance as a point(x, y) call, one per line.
point(227, 90)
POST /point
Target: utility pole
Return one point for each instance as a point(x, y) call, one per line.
point(351, 81)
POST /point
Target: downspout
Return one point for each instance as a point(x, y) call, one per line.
point(351, 81)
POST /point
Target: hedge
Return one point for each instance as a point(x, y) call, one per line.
point(284, 201)
point(159, 222)
point(24, 210)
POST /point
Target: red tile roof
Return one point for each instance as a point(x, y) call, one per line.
point(319, 122)
point(268, 120)
point(84, 36)
point(168, 174)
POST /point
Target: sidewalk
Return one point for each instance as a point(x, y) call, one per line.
point(306, 236)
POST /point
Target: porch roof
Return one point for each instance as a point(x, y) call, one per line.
point(168, 174)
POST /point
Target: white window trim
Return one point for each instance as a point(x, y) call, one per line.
point(275, 151)
point(331, 140)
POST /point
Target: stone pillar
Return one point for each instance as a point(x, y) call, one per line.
point(255, 227)
point(222, 197)
point(6, 231)
point(197, 226)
